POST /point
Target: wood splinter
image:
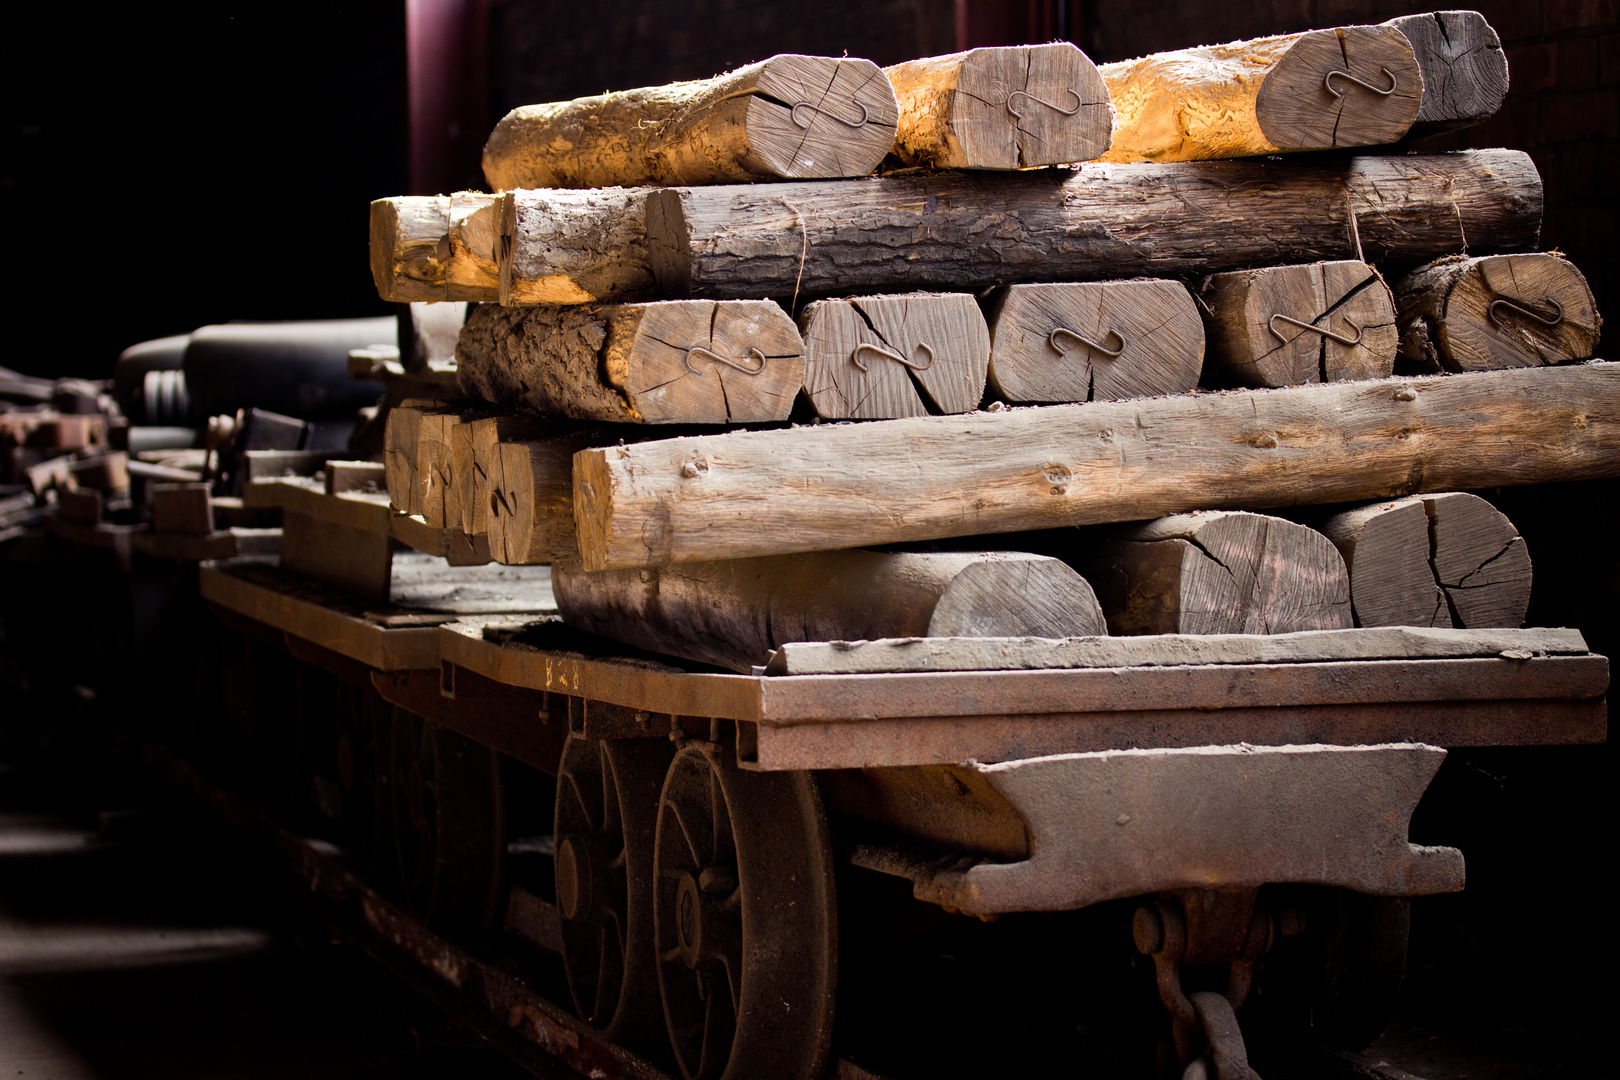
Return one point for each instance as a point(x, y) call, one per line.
point(1097, 341)
point(1216, 572)
point(675, 361)
point(736, 612)
point(890, 356)
point(1288, 325)
point(1350, 86)
point(792, 116)
point(1500, 311)
point(1011, 107)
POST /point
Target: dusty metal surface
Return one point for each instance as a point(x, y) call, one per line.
point(1127, 823)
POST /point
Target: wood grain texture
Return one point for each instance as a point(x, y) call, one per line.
point(574, 247)
point(850, 485)
point(530, 508)
point(1480, 561)
point(1008, 107)
point(1465, 71)
point(436, 247)
point(1251, 315)
point(734, 613)
point(1264, 96)
point(909, 354)
point(790, 116)
point(1037, 355)
point(675, 361)
point(1386, 548)
point(1450, 318)
point(474, 447)
point(1215, 572)
point(965, 231)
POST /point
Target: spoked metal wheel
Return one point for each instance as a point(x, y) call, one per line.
point(607, 803)
point(447, 823)
point(745, 919)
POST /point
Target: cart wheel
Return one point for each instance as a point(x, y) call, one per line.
point(447, 823)
point(745, 919)
point(607, 805)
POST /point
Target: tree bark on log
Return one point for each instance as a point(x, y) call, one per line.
point(1096, 341)
point(968, 231)
point(1465, 72)
point(1256, 338)
point(876, 357)
point(670, 362)
point(1217, 572)
point(736, 612)
point(1266, 96)
point(1010, 107)
point(925, 478)
point(1447, 559)
point(436, 247)
point(574, 247)
point(1480, 314)
point(792, 116)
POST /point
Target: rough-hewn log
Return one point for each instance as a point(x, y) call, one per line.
point(1215, 572)
point(965, 231)
point(1477, 314)
point(1266, 95)
point(1447, 559)
point(669, 362)
point(474, 449)
point(436, 247)
point(1009, 107)
point(850, 485)
point(1254, 322)
point(416, 452)
point(790, 116)
point(1095, 341)
point(531, 494)
point(574, 247)
point(881, 356)
point(735, 613)
point(1465, 72)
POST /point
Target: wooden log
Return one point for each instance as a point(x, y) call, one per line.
point(344, 476)
point(735, 613)
point(1386, 548)
point(1215, 572)
point(107, 473)
point(182, 508)
point(1465, 72)
point(1096, 341)
point(1480, 561)
point(436, 247)
point(531, 495)
point(1478, 314)
point(574, 247)
point(924, 478)
point(965, 231)
point(792, 116)
point(474, 448)
point(1286, 325)
point(670, 362)
point(886, 356)
point(1269, 95)
point(427, 335)
point(1009, 107)
point(416, 453)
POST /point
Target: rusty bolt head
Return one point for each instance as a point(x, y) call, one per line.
point(1147, 928)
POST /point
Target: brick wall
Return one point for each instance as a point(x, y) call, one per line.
point(1563, 104)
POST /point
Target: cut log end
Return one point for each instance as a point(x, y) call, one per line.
point(1480, 561)
point(1352, 86)
point(819, 117)
point(1465, 72)
point(410, 247)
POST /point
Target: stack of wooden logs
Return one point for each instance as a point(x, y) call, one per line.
point(1183, 324)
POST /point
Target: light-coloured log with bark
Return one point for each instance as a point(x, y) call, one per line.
point(1445, 559)
point(1465, 72)
point(1008, 107)
point(790, 116)
point(965, 231)
point(1094, 341)
point(436, 247)
point(669, 362)
point(903, 355)
point(574, 247)
point(736, 612)
point(852, 485)
point(1215, 572)
point(1286, 325)
point(1321, 90)
point(1478, 314)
